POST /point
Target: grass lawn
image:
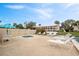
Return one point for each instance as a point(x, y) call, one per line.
point(73, 33)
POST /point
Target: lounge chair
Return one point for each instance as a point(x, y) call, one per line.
point(64, 42)
point(51, 33)
point(67, 36)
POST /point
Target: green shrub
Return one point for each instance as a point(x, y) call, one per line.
point(61, 30)
point(37, 31)
point(73, 33)
point(62, 33)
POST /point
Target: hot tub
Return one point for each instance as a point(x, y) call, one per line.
point(27, 36)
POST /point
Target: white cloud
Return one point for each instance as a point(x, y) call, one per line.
point(74, 10)
point(46, 5)
point(15, 6)
point(69, 5)
point(44, 13)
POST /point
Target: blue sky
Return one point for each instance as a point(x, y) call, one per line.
point(41, 13)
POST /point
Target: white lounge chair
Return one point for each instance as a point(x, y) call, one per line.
point(65, 41)
point(51, 33)
point(67, 36)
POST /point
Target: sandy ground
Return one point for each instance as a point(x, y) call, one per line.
point(36, 46)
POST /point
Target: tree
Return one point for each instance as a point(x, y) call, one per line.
point(57, 22)
point(15, 24)
point(71, 29)
point(20, 26)
point(69, 22)
point(30, 25)
point(67, 25)
point(77, 23)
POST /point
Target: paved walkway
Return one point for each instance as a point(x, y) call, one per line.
point(37, 46)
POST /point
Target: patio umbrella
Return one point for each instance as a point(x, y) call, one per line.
point(7, 26)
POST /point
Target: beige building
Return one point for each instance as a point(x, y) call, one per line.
point(50, 28)
point(76, 28)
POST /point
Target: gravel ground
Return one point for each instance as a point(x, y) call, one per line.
point(36, 46)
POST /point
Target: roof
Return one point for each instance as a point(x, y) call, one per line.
point(46, 26)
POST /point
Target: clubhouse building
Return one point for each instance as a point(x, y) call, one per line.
point(49, 28)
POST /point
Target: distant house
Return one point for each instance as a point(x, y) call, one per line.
point(76, 28)
point(49, 28)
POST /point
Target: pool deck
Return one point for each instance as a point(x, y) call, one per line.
point(36, 46)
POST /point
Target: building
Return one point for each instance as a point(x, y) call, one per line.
point(76, 28)
point(49, 28)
